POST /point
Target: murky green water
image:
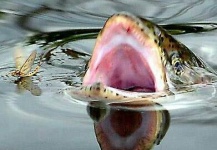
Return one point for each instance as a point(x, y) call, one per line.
point(41, 117)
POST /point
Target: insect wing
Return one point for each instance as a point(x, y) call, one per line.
point(19, 58)
point(25, 69)
point(34, 71)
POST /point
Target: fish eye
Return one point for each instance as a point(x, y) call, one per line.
point(177, 64)
point(178, 68)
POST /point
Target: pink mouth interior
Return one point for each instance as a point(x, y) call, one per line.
point(124, 68)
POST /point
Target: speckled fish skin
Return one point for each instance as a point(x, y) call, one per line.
point(179, 66)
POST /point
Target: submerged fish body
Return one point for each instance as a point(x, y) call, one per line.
point(135, 58)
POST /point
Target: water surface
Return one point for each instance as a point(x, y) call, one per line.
point(41, 117)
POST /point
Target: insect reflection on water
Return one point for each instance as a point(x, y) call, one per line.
point(26, 83)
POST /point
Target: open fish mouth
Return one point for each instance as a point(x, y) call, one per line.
point(126, 56)
point(138, 60)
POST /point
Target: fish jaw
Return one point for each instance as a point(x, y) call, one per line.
point(126, 55)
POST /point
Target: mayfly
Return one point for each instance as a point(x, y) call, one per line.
point(23, 67)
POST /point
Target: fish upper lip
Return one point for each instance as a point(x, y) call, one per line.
point(147, 48)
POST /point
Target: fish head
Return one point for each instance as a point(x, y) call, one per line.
point(135, 54)
point(135, 58)
point(127, 56)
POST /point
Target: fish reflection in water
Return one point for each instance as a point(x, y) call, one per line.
point(128, 126)
point(26, 83)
